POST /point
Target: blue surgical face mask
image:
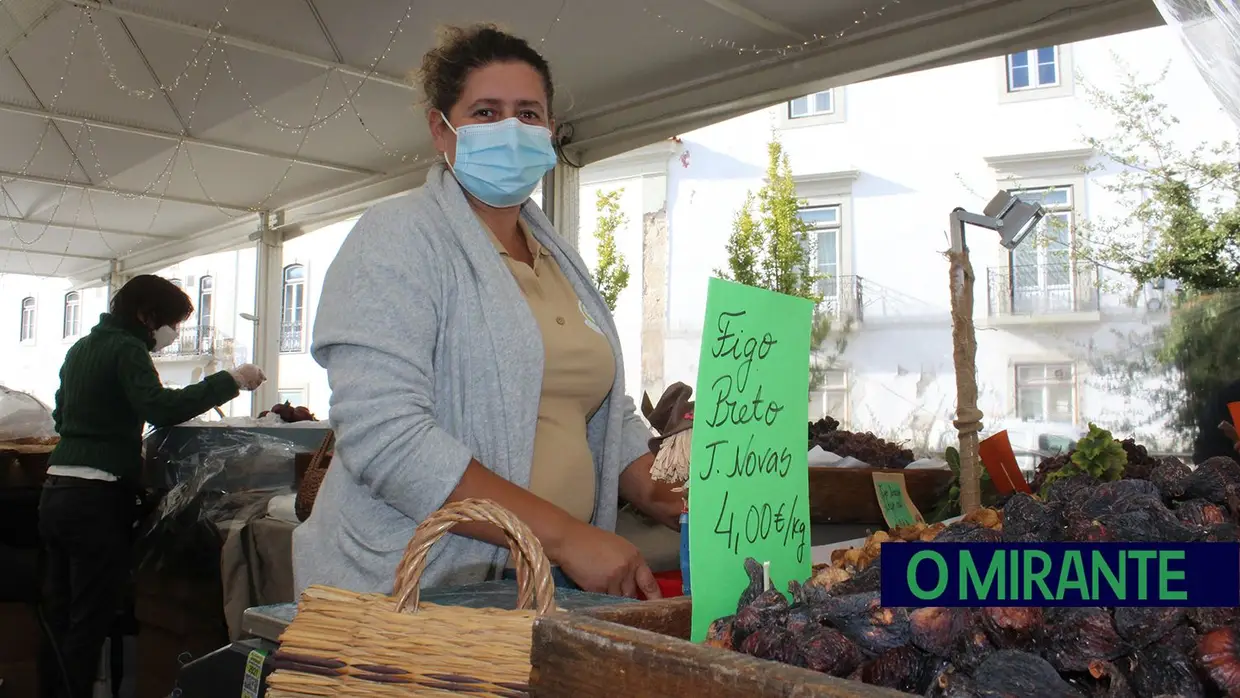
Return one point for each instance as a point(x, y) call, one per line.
point(501, 163)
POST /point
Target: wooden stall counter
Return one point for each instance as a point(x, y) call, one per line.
point(642, 651)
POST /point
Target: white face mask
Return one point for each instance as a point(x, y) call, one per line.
point(164, 337)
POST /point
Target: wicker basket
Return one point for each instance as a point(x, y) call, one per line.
point(313, 479)
point(346, 644)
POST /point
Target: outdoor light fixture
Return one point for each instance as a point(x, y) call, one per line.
point(1013, 219)
point(1007, 215)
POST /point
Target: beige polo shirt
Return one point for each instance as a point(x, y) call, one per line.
point(578, 373)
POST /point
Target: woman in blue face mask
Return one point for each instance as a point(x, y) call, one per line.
point(470, 356)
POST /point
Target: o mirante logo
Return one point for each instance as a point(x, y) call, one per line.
point(1060, 574)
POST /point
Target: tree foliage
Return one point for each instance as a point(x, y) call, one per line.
point(612, 273)
point(1182, 224)
point(773, 247)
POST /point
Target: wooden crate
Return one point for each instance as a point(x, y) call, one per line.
point(641, 651)
point(846, 495)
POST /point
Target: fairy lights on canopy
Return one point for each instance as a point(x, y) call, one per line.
point(813, 41)
point(336, 98)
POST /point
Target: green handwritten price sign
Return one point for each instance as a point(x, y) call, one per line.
point(749, 488)
point(898, 508)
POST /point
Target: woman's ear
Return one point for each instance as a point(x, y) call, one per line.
point(441, 134)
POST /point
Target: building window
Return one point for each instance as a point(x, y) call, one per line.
point(1041, 268)
point(1033, 69)
point(206, 291)
point(293, 309)
point(817, 104)
point(825, 223)
point(831, 400)
point(294, 396)
point(1046, 393)
point(27, 326)
point(73, 314)
point(206, 314)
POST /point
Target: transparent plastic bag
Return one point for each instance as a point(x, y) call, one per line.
point(23, 416)
point(1210, 30)
point(219, 479)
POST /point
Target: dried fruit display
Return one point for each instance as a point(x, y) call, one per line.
point(846, 561)
point(1139, 463)
point(865, 447)
point(997, 651)
point(289, 414)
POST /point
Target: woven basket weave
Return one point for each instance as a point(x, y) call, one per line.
point(342, 643)
point(313, 479)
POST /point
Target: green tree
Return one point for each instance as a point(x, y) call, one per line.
point(612, 273)
point(772, 247)
point(1183, 225)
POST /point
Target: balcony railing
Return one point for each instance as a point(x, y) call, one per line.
point(292, 339)
point(191, 341)
point(1043, 289)
point(842, 296)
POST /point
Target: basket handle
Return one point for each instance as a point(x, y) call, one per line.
point(329, 443)
point(533, 567)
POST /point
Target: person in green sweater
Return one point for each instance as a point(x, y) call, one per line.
point(109, 389)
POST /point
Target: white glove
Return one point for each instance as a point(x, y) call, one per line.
point(248, 376)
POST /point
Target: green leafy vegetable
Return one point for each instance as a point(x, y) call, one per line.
point(1097, 454)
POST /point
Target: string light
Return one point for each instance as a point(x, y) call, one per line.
point(318, 101)
point(731, 45)
point(550, 27)
point(189, 124)
point(142, 93)
point(215, 42)
point(215, 47)
point(38, 149)
point(318, 122)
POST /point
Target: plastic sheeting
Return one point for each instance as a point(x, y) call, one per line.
point(1210, 30)
point(22, 416)
point(214, 481)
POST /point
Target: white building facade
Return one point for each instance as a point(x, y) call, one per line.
point(880, 166)
point(49, 316)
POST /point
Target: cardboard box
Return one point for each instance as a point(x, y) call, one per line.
point(19, 679)
point(20, 639)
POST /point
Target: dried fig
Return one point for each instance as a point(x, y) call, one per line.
point(938, 630)
point(1074, 637)
point(1218, 653)
point(1141, 625)
point(1012, 628)
point(1015, 674)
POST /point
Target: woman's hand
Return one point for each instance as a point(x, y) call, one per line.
point(658, 500)
point(603, 562)
point(248, 376)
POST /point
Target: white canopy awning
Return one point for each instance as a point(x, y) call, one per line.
point(144, 132)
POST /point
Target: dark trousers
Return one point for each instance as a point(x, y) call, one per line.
point(86, 526)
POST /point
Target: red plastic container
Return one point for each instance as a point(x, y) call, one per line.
point(671, 584)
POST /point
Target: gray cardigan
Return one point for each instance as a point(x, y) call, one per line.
point(434, 358)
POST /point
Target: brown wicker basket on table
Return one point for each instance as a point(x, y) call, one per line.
point(313, 479)
point(342, 643)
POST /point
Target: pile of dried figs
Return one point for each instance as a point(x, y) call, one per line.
point(864, 446)
point(836, 624)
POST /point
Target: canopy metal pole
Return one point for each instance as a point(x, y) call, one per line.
point(561, 201)
point(268, 303)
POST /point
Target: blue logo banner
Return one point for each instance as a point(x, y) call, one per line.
point(1060, 574)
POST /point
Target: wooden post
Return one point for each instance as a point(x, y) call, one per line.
point(964, 357)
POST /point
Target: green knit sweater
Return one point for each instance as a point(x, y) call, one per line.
point(109, 388)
